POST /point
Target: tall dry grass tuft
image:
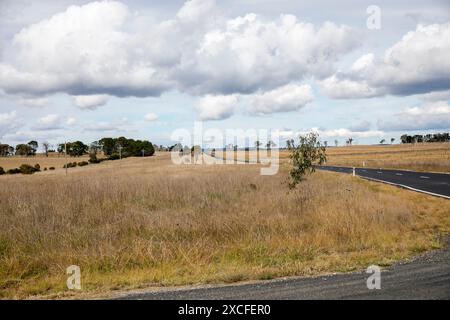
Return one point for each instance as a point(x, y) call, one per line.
point(139, 223)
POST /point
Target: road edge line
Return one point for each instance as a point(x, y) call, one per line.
point(407, 187)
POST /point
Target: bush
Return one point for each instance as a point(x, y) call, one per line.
point(93, 158)
point(83, 163)
point(45, 169)
point(114, 156)
point(51, 168)
point(37, 167)
point(2, 171)
point(27, 169)
point(304, 155)
point(70, 165)
point(13, 171)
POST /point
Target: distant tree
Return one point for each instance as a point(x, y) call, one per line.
point(6, 150)
point(308, 152)
point(405, 138)
point(108, 145)
point(23, 150)
point(176, 147)
point(289, 143)
point(325, 144)
point(270, 144)
point(382, 141)
point(74, 149)
point(336, 143)
point(46, 145)
point(33, 147)
point(258, 144)
point(392, 140)
point(94, 147)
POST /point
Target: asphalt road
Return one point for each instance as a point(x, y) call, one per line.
point(426, 277)
point(437, 184)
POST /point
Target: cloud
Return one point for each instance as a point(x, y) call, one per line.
point(91, 101)
point(98, 49)
point(48, 122)
point(151, 117)
point(250, 53)
point(83, 50)
point(71, 121)
point(337, 88)
point(330, 133)
point(418, 64)
point(290, 97)
point(430, 116)
point(218, 107)
point(109, 126)
point(34, 102)
point(361, 126)
point(8, 122)
point(347, 133)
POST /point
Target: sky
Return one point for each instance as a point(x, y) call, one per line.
point(83, 70)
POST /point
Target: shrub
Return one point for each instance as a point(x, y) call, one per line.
point(83, 163)
point(27, 169)
point(70, 165)
point(37, 167)
point(13, 171)
point(114, 156)
point(2, 171)
point(45, 169)
point(304, 155)
point(93, 158)
point(51, 168)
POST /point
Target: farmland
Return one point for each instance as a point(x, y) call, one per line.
point(147, 222)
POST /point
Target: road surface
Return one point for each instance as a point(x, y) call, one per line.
point(437, 184)
point(426, 277)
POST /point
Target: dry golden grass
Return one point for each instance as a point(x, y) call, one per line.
point(141, 222)
point(419, 157)
point(53, 160)
point(422, 157)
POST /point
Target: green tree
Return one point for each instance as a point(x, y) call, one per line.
point(74, 149)
point(23, 150)
point(108, 145)
point(308, 152)
point(6, 150)
point(33, 147)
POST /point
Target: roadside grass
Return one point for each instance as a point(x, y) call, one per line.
point(418, 157)
point(145, 222)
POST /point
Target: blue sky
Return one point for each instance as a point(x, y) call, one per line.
point(85, 70)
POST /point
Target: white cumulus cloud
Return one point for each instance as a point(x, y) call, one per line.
point(290, 97)
point(90, 101)
point(218, 107)
point(151, 116)
point(429, 116)
point(417, 64)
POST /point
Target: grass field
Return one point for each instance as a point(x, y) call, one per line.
point(55, 161)
point(419, 157)
point(146, 222)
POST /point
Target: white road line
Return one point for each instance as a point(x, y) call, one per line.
point(424, 177)
point(399, 174)
point(379, 172)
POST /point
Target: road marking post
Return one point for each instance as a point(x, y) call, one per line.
point(354, 174)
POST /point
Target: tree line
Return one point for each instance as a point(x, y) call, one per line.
point(111, 147)
point(431, 137)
